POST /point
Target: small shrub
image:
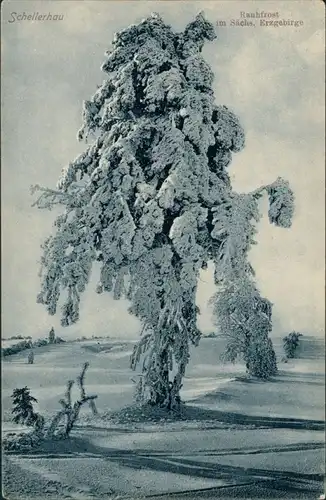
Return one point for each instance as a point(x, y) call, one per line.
point(291, 343)
point(30, 358)
point(20, 441)
point(80, 339)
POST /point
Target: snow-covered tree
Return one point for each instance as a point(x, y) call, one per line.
point(150, 198)
point(291, 343)
point(51, 336)
point(244, 318)
point(242, 315)
point(23, 410)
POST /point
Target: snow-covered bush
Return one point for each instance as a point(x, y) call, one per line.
point(16, 348)
point(151, 199)
point(59, 340)
point(40, 343)
point(18, 337)
point(291, 343)
point(28, 344)
point(20, 441)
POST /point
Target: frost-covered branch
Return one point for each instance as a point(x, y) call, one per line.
point(234, 226)
point(281, 200)
point(49, 197)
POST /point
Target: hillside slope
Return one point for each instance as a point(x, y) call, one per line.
point(296, 391)
point(245, 438)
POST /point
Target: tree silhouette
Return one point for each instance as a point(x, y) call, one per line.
point(30, 357)
point(23, 410)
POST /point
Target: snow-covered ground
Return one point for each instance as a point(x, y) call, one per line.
point(242, 438)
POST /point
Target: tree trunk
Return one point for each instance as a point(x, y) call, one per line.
point(160, 391)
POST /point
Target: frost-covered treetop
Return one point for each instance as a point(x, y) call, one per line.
point(139, 198)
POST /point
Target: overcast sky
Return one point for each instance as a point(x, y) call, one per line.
point(273, 78)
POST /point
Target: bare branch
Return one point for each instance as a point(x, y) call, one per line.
point(71, 412)
point(70, 383)
point(80, 380)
